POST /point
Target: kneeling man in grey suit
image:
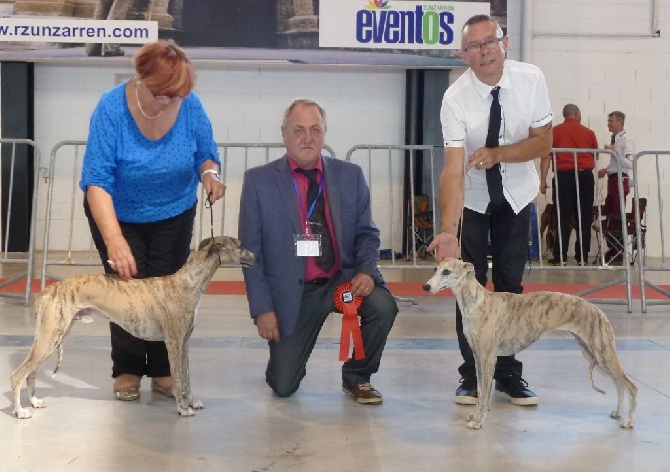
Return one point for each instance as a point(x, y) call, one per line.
point(308, 218)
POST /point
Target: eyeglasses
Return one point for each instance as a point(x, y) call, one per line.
point(488, 43)
point(161, 98)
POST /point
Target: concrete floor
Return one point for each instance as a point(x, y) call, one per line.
point(418, 428)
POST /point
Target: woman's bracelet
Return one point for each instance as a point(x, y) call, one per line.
point(217, 176)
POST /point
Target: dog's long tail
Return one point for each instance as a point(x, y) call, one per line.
point(60, 359)
point(591, 360)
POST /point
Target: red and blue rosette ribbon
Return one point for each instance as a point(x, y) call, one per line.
point(348, 304)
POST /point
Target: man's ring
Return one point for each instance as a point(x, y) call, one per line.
point(110, 262)
point(481, 164)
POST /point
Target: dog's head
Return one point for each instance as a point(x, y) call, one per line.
point(229, 250)
point(449, 274)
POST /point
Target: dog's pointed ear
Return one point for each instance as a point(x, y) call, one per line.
point(204, 243)
point(214, 248)
point(467, 267)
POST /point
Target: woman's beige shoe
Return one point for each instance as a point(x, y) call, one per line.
point(127, 394)
point(127, 387)
point(167, 391)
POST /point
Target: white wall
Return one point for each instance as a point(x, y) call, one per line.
point(245, 104)
point(598, 54)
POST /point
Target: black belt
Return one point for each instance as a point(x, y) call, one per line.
point(613, 174)
point(318, 281)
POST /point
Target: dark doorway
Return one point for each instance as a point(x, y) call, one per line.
point(230, 23)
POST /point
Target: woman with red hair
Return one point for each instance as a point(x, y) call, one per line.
point(150, 144)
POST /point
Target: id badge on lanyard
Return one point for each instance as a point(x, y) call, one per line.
point(307, 244)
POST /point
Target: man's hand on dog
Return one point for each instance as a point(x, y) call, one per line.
point(445, 246)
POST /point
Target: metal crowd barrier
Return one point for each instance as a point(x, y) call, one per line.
point(235, 159)
point(644, 267)
point(389, 166)
point(73, 232)
point(397, 160)
point(625, 268)
point(69, 214)
point(26, 259)
point(385, 167)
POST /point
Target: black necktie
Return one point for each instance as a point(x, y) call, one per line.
point(318, 220)
point(493, 177)
point(613, 138)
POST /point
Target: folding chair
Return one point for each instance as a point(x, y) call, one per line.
point(637, 247)
point(421, 227)
point(613, 235)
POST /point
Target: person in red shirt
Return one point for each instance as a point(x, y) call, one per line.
point(572, 194)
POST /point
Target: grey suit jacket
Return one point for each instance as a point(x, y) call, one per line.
point(270, 217)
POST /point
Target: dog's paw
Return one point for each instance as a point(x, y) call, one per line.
point(615, 414)
point(186, 411)
point(37, 402)
point(22, 413)
point(628, 424)
point(474, 424)
point(197, 405)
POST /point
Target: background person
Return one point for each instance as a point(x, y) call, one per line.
point(501, 179)
point(150, 142)
point(290, 291)
point(623, 147)
point(574, 196)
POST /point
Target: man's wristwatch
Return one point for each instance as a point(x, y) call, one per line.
point(217, 176)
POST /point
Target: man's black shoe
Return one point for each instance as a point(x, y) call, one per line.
point(515, 389)
point(466, 393)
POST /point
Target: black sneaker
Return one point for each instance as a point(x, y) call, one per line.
point(515, 389)
point(556, 262)
point(466, 393)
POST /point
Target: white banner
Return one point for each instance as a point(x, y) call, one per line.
point(62, 30)
point(394, 24)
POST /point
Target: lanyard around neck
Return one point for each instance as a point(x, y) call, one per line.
point(300, 200)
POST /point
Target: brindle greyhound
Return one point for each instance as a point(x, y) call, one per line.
point(505, 323)
point(154, 309)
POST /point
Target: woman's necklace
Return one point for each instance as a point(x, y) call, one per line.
point(137, 95)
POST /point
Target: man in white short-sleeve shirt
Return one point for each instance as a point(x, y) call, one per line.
point(525, 134)
point(623, 148)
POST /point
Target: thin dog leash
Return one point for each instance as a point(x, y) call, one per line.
point(210, 204)
point(460, 233)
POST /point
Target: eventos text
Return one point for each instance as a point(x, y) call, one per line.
point(404, 27)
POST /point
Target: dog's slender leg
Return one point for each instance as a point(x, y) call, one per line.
point(173, 343)
point(470, 419)
point(598, 342)
point(186, 374)
point(486, 365)
point(27, 371)
point(30, 382)
point(612, 367)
